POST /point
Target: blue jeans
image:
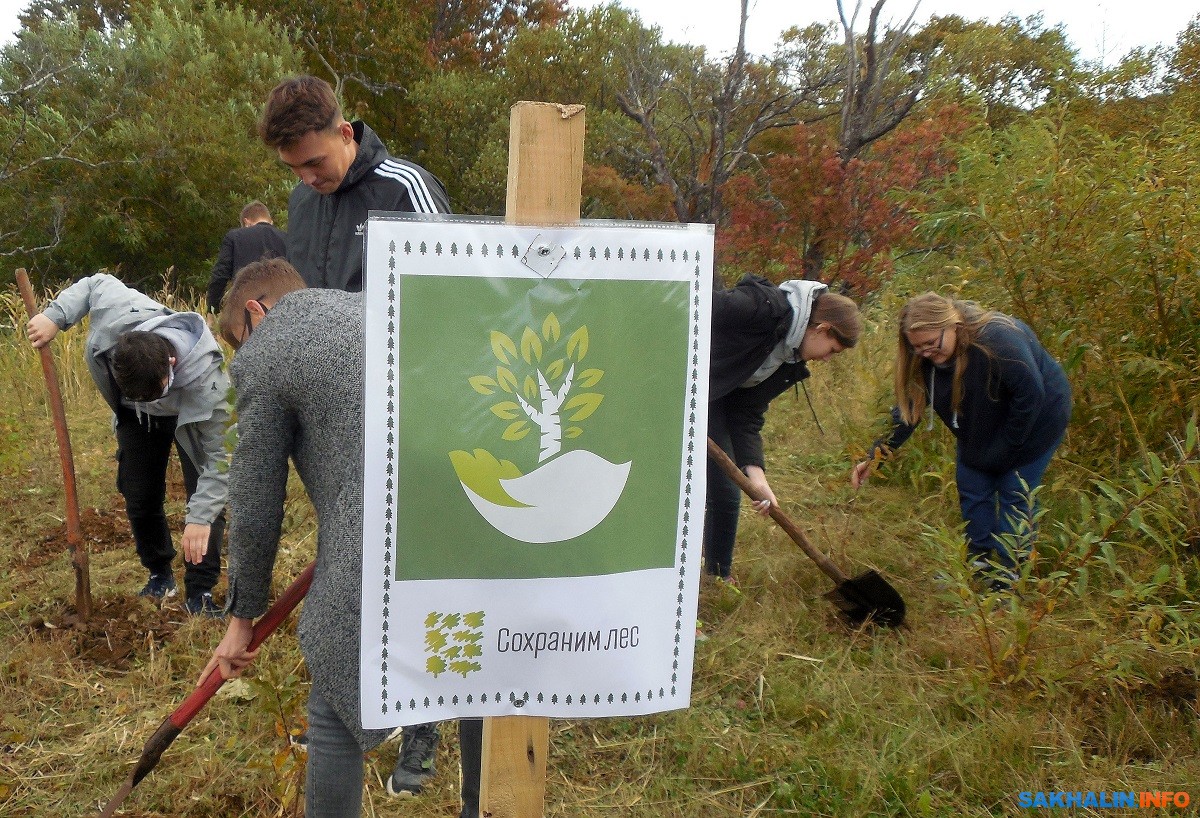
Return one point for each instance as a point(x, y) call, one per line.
point(998, 504)
point(334, 775)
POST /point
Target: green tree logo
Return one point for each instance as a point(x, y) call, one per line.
point(453, 642)
point(538, 392)
point(540, 383)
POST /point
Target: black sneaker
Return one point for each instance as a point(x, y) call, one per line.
point(159, 586)
point(203, 605)
point(414, 766)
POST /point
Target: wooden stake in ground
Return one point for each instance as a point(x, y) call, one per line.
point(79, 556)
point(545, 177)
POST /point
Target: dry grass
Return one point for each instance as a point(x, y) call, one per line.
point(793, 713)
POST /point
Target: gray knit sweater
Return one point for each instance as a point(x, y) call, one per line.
point(299, 381)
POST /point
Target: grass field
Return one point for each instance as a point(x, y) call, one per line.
point(1086, 683)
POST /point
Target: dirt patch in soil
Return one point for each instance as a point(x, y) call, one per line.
point(1178, 686)
point(119, 630)
point(101, 530)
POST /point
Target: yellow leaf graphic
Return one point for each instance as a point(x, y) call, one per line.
point(551, 331)
point(590, 377)
point(483, 384)
point(587, 403)
point(506, 410)
point(573, 432)
point(531, 387)
point(555, 370)
point(506, 379)
point(481, 472)
point(516, 430)
point(503, 347)
point(577, 344)
point(463, 667)
point(531, 346)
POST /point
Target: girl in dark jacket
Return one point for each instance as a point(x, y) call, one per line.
point(1006, 401)
point(762, 337)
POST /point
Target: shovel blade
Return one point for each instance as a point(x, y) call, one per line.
point(866, 597)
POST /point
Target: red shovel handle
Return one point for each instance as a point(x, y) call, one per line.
point(263, 628)
point(173, 724)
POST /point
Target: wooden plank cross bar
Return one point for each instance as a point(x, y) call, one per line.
point(545, 178)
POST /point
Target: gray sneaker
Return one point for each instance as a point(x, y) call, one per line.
point(414, 766)
point(994, 578)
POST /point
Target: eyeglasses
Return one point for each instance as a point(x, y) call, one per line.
point(247, 327)
point(931, 345)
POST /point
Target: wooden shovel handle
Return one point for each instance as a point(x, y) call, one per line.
point(735, 474)
point(267, 624)
point(74, 533)
point(79, 556)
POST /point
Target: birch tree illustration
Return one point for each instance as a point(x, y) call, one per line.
point(534, 381)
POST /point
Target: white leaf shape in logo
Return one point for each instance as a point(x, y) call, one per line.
point(563, 498)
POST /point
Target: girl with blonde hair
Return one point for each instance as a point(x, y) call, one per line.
point(1006, 401)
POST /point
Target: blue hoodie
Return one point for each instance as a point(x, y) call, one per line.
point(1015, 406)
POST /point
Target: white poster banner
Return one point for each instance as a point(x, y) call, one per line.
point(535, 463)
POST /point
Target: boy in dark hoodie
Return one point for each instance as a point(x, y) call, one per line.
point(345, 172)
point(161, 372)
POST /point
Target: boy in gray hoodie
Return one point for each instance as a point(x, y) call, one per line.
point(161, 373)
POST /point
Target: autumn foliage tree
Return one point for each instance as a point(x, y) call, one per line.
point(863, 210)
point(131, 145)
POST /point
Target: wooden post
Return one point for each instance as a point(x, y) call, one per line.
point(545, 176)
point(545, 163)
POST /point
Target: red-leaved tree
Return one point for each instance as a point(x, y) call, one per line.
point(862, 210)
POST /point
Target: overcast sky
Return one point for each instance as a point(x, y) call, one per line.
point(1100, 29)
point(1097, 28)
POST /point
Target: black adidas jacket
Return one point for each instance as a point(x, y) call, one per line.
point(325, 232)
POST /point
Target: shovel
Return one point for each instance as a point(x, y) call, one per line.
point(173, 725)
point(79, 554)
point(866, 597)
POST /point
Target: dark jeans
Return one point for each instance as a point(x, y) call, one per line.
point(334, 772)
point(721, 503)
point(143, 449)
point(994, 505)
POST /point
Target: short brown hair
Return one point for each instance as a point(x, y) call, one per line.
point(256, 211)
point(140, 364)
point(269, 279)
point(296, 107)
point(841, 314)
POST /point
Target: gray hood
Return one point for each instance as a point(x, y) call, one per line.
point(195, 349)
point(801, 295)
